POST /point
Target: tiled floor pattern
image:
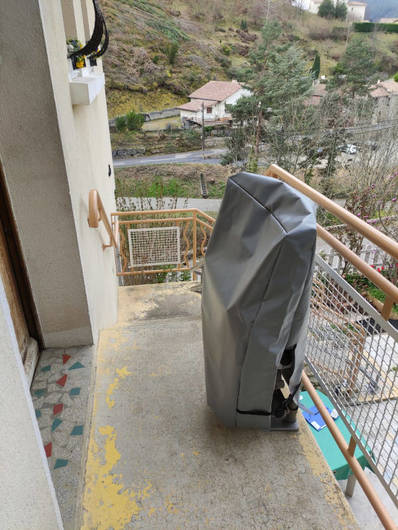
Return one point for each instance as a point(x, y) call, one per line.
point(60, 393)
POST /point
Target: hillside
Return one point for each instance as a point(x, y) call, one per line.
point(381, 9)
point(160, 51)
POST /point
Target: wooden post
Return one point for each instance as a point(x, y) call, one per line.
point(194, 245)
point(355, 466)
point(387, 307)
point(349, 489)
point(203, 130)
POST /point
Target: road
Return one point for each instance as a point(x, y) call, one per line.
point(211, 156)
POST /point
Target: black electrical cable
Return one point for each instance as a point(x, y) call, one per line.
point(92, 47)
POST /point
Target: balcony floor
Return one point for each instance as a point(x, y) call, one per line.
point(158, 458)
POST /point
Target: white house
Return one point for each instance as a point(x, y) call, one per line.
point(355, 9)
point(213, 96)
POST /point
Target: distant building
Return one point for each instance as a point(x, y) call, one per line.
point(214, 96)
point(385, 94)
point(388, 21)
point(355, 10)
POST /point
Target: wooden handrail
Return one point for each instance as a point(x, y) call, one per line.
point(375, 236)
point(155, 212)
point(372, 234)
point(375, 277)
point(96, 213)
point(355, 466)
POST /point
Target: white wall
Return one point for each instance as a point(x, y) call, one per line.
point(28, 500)
point(52, 154)
point(84, 133)
point(356, 12)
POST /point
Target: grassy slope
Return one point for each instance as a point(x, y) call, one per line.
point(182, 180)
point(140, 76)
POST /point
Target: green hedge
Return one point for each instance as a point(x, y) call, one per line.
point(368, 27)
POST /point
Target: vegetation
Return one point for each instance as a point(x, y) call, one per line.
point(316, 67)
point(161, 51)
point(168, 180)
point(356, 70)
point(134, 121)
point(171, 51)
point(120, 123)
point(340, 10)
point(327, 9)
point(369, 27)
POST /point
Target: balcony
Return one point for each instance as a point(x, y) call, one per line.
point(158, 457)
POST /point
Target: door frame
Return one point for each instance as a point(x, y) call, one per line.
point(15, 253)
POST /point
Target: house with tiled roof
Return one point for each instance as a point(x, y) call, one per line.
point(211, 100)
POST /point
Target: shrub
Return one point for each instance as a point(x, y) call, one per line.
point(120, 123)
point(171, 51)
point(338, 33)
point(316, 67)
point(243, 24)
point(226, 49)
point(340, 10)
point(327, 9)
point(134, 121)
point(368, 27)
point(396, 77)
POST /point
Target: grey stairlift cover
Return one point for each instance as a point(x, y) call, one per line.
point(256, 291)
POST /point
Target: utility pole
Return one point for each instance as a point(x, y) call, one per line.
point(203, 130)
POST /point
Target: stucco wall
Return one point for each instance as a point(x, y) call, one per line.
point(356, 12)
point(87, 149)
point(52, 154)
point(26, 490)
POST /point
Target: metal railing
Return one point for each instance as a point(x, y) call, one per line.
point(161, 241)
point(352, 349)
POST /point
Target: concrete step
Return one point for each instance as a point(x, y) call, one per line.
point(158, 457)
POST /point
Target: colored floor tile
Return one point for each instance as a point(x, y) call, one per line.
point(77, 430)
point(60, 462)
point(56, 423)
point(65, 358)
point(58, 408)
point(76, 366)
point(60, 396)
point(62, 380)
point(48, 449)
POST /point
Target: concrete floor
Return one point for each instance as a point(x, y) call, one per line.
point(158, 458)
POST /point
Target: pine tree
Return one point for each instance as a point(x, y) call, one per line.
point(355, 71)
point(280, 81)
point(316, 67)
point(340, 10)
point(327, 9)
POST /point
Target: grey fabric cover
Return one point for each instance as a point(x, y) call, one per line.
point(256, 290)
